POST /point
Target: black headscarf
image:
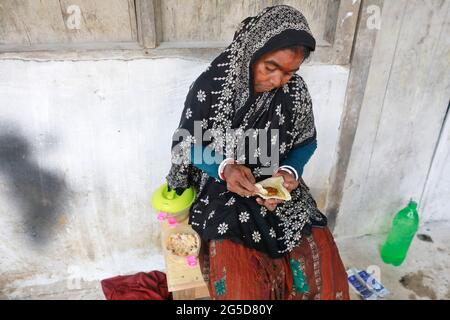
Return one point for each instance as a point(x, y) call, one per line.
point(222, 98)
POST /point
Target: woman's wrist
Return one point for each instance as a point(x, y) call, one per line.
point(222, 166)
point(290, 170)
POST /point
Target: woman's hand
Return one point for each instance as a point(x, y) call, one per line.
point(290, 183)
point(240, 180)
point(270, 204)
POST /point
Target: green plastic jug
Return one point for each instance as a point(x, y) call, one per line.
point(168, 202)
point(404, 227)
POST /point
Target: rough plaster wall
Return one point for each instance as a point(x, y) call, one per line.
point(82, 146)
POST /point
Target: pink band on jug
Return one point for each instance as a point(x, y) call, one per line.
point(172, 222)
point(162, 216)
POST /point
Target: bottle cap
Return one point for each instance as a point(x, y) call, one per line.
point(412, 205)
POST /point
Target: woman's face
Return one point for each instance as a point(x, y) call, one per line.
point(275, 69)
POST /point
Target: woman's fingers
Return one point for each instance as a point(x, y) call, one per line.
point(244, 191)
point(264, 203)
point(289, 186)
point(288, 180)
point(270, 204)
point(250, 189)
point(240, 180)
point(290, 183)
point(249, 175)
point(247, 184)
point(274, 202)
point(237, 188)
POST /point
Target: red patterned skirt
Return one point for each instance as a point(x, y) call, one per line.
point(313, 270)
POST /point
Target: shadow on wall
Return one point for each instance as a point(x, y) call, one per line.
point(37, 193)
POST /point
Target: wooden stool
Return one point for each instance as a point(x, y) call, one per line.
point(185, 282)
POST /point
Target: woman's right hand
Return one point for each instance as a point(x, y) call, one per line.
point(240, 180)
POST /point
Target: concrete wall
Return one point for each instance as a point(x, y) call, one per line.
point(83, 145)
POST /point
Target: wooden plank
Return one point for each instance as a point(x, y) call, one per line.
point(398, 128)
point(383, 56)
point(202, 293)
point(331, 20)
point(231, 15)
point(179, 275)
point(107, 51)
point(188, 294)
point(434, 205)
point(198, 20)
point(132, 13)
point(315, 11)
point(341, 48)
point(103, 21)
point(196, 24)
point(192, 294)
point(30, 23)
point(146, 23)
point(357, 84)
point(184, 27)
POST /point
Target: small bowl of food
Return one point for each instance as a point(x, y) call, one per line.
point(182, 245)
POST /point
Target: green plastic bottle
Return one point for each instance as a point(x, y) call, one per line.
point(404, 227)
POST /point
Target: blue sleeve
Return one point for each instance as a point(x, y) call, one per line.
point(299, 157)
point(296, 158)
point(197, 161)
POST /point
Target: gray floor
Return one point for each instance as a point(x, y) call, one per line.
point(425, 274)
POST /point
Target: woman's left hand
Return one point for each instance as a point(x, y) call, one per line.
point(290, 183)
point(270, 204)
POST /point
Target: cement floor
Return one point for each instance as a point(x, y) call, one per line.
point(425, 274)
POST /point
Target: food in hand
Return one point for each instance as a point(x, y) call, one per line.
point(272, 188)
point(270, 191)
